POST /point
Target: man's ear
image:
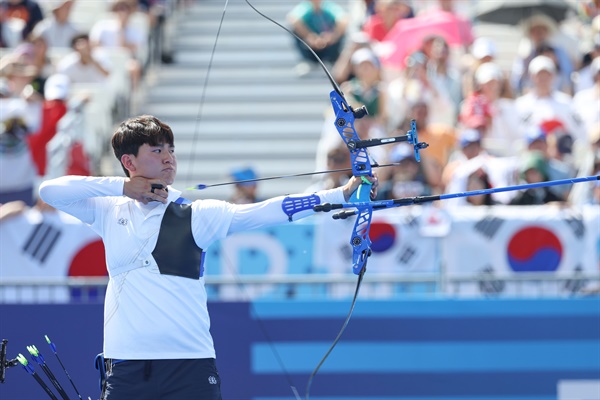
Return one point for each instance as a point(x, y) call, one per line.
point(127, 161)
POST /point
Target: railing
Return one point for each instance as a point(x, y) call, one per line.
point(312, 287)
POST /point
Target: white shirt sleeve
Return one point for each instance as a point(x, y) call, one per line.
point(270, 212)
point(215, 219)
point(78, 195)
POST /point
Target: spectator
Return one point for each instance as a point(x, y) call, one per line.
point(338, 158)
point(563, 82)
point(479, 180)
point(366, 89)
point(533, 170)
point(415, 86)
point(322, 25)
point(496, 117)
point(469, 147)
point(23, 81)
point(484, 50)
point(57, 29)
point(244, 192)
point(441, 138)
point(587, 101)
point(387, 14)
point(27, 13)
point(441, 71)
point(589, 164)
point(544, 102)
point(17, 172)
point(38, 51)
point(537, 140)
point(82, 65)
point(584, 77)
point(538, 30)
point(119, 32)
point(54, 108)
point(342, 69)
point(408, 179)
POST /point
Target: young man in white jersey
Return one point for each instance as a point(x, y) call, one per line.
point(157, 343)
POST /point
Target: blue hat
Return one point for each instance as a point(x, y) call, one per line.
point(244, 174)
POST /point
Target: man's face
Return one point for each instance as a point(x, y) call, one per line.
point(153, 162)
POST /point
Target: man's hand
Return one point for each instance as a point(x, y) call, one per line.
point(356, 181)
point(141, 189)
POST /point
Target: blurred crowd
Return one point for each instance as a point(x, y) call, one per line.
point(70, 70)
point(488, 123)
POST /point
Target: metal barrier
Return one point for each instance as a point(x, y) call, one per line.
point(310, 287)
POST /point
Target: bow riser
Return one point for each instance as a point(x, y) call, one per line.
point(360, 241)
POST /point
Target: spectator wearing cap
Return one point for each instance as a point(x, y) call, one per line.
point(489, 112)
point(387, 14)
point(468, 148)
point(366, 89)
point(342, 69)
point(537, 141)
point(544, 102)
point(587, 101)
point(83, 65)
point(57, 29)
point(408, 177)
point(244, 192)
point(538, 30)
point(533, 169)
point(483, 50)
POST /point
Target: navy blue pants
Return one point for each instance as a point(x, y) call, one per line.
point(162, 380)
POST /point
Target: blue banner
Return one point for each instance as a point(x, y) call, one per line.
point(406, 350)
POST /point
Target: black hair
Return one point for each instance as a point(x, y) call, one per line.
point(78, 37)
point(137, 131)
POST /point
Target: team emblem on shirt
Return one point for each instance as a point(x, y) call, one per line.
point(122, 221)
point(212, 380)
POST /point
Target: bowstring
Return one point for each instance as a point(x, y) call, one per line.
point(227, 262)
point(339, 335)
point(360, 277)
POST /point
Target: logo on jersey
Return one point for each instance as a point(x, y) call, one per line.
point(122, 221)
point(212, 380)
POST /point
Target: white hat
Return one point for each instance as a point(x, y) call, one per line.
point(362, 55)
point(483, 47)
point(57, 87)
point(541, 63)
point(12, 108)
point(469, 136)
point(486, 72)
